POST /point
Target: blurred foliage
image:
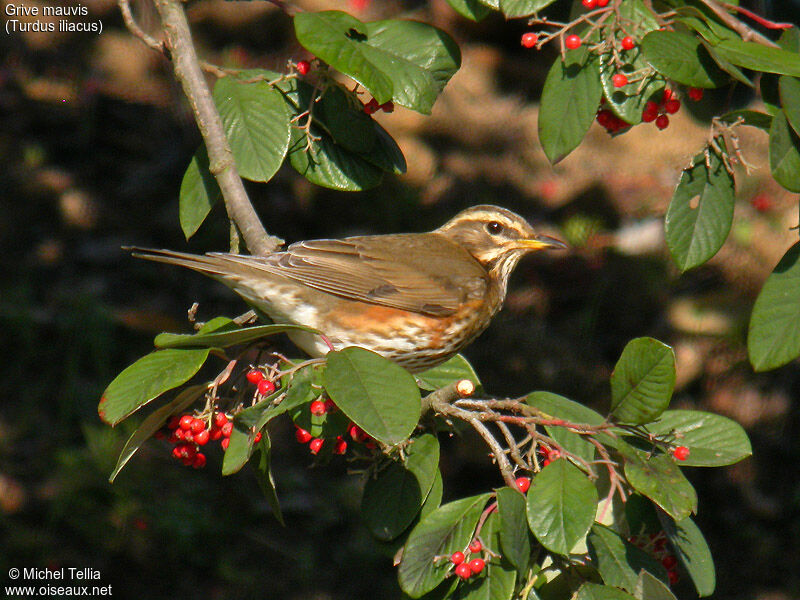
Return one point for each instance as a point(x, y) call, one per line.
point(94, 140)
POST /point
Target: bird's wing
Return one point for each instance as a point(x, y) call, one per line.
point(423, 273)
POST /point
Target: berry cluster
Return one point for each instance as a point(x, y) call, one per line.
point(658, 111)
point(548, 455)
point(655, 544)
point(372, 107)
point(188, 433)
point(464, 569)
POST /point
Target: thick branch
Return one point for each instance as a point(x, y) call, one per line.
point(220, 157)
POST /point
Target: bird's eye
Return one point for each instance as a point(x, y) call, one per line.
point(494, 227)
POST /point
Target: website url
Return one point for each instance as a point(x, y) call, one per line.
point(22, 591)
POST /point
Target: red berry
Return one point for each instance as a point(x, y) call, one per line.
point(176, 452)
point(174, 422)
point(681, 453)
point(529, 39)
point(227, 429)
point(199, 461)
point(201, 439)
point(602, 3)
point(174, 438)
point(215, 433)
point(761, 202)
point(224, 443)
point(317, 407)
point(186, 422)
point(254, 376)
point(315, 445)
point(619, 80)
point(606, 118)
point(257, 438)
point(457, 558)
point(662, 121)
point(695, 94)
point(302, 436)
point(198, 425)
point(673, 577)
point(590, 4)
point(340, 447)
point(371, 107)
point(220, 419)
point(572, 42)
point(388, 107)
point(650, 112)
point(356, 433)
point(545, 462)
point(183, 435)
point(668, 93)
point(669, 562)
point(330, 405)
point(523, 483)
point(628, 43)
point(476, 565)
point(463, 571)
point(672, 106)
point(475, 546)
point(265, 387)
point(303, 67)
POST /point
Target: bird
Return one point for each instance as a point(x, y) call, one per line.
point(414, 298)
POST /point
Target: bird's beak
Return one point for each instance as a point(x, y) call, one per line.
point(542, 242)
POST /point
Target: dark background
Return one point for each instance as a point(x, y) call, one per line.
point(94, 138)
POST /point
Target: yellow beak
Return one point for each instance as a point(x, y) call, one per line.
point(542, 242)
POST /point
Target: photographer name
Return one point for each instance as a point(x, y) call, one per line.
point(85, 573)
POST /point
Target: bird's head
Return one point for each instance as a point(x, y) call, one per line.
point(496, 237)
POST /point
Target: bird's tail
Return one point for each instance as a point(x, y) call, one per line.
point(213, 265)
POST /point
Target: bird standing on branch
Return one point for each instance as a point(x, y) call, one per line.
point(415, 298)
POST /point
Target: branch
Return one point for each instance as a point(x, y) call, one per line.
point(748, 33)
point(221, 163)
point(135, 29)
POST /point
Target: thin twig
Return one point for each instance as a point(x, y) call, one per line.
point(221, 161)
point(135, 29)
point(743, 29)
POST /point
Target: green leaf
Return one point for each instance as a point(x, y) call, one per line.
point(758, 57)
point(497, 583)
point(153, 423)
point(704, 22)
point(726, 65)
point(405, 61)
point(790, 40)
point(513, 9)
point(434, 499)
point(453, 369)
point(147, 379)
point(199, 193)
point(692, 551)
point(224, 339)
point(774, 336)
point(514, 541)
point(257, 125)
point(682, 58)
point(618, 561)
point(569, 103)
point(642, 381)
point(789, 89)
point(784, 153)
point(349, 125)
point(751, 118)
point(562, 408)
point(394, 497)
point(470, 9)
point(595, 591)
point(378, 395)
point(660, 479)
point(713, 440)
point(650, 588)
point(700, 214)
point(561, 506)
point(265, 479)
point(447, 529)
